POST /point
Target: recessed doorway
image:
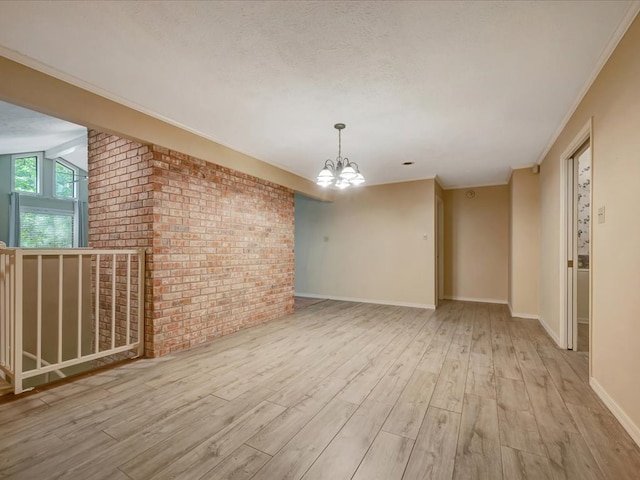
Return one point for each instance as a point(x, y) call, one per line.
point(577, 227)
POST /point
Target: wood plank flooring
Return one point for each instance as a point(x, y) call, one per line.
point(335, 391)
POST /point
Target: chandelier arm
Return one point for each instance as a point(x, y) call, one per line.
point(329, 164)
point(354, 165)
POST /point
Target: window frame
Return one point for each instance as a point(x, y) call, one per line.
point(51, 211)
point(39, 166)
point(73, 168)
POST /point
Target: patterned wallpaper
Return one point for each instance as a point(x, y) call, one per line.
point(584, 202)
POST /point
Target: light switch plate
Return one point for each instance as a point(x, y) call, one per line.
point(601, 217)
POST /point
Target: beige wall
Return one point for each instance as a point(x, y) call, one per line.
point(29, 88)
point(510, 250)
point(368, 244)
point(524, 243)
point(439, 190)
point(438, 224)
point(613, 104)
point(50, 283)
point(477, 243)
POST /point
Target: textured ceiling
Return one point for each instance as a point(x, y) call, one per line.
point(466, 90)
point(23, 130)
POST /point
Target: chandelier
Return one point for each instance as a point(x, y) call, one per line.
point(342, 173)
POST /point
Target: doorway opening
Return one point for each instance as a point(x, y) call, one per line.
point(577, 219)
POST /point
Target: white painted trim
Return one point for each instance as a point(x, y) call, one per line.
point(39, 173)
point(631, 428)
point(479, 300)
point(623, 26)
point(367, 300)
point(531, 316)
point(552, 334)
point(458, 187)
point(582, 136)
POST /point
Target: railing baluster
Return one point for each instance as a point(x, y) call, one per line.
point(128, 296)
point(79, 354)
point(12, 314)
point(60, 285)
point(141, 270)
point(113, 302)
point(16, 298)
point(39, 316)
point(97, 306)
point(3, 313)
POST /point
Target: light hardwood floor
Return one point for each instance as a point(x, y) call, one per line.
point(303, 302)
point(335, 391)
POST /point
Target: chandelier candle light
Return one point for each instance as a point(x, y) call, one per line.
point(342, 173)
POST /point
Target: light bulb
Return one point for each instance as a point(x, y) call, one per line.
point(359, 179)
point(348, 173)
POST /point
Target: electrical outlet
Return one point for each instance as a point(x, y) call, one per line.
point(424, 236)
point(601, 217)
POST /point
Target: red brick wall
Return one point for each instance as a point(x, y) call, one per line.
point(120, 200)
point(219, 243)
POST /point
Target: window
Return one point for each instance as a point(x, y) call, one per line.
point(26, 173)
point(46, 228)
point(65, 181)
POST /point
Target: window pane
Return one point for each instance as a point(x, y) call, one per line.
point(43, 230)
point(64, 181)
point(26, 174)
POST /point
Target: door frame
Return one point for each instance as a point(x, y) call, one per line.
point(584, 135)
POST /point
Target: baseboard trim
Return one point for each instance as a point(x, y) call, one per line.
point(553, 336)
point(632, 429)
point(367, 300)
point(479, 300)
point(530, 316)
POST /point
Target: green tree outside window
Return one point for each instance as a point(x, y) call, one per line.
point(45, 230)
point(26, 174)
point(65, 177)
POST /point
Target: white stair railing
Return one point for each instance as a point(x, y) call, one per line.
point(70, 307)
point(7, 314)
